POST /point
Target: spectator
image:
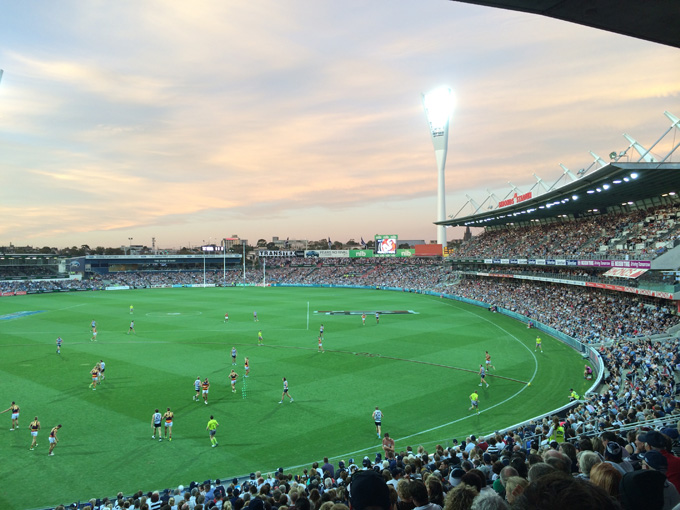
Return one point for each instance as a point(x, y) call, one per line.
point(558, 491)
point(655, 441)
point(460, 497)
point(514, 486)
point(607, 477)
point(488, 500)
point(368, 491)
point(655, 461)
point(642, 489)
point(586, 462)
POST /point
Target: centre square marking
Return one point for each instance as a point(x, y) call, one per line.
point(367, 312)
point(18, 315)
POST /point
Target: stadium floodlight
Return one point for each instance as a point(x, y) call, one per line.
point(438, 106)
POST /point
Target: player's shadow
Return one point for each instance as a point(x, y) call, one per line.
point(67, 394)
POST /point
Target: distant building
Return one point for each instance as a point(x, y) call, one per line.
point(467, 235)
point(290, 244)
point(232, 241)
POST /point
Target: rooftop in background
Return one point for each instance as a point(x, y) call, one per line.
point(613, 185)
point(655, 21)
point(616, 184)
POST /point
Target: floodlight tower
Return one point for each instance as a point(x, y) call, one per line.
point(438, 106)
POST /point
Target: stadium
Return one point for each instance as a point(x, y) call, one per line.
point(542, 346)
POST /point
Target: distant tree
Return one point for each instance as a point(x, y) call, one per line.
point(46, 249)
point(261, 243)
point(85, 249)
point(73, 251)
point(403, 246)
point(370, 244)
point(99, 250)
point(185, 251)
point(271, 246)
point(113, 251)
point(337, 245)
point(352, 242)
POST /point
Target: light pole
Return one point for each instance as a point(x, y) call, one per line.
point(438, 106)
point(203, 248)
point(224, 262)
point(130, 247)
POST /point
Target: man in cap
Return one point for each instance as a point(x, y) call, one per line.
point(656, 441)
point(642, 489)
point(455, 476)
point(613, 454)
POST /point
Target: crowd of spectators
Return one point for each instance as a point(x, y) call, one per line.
point(589, 315)
point(622, 234)
point(580, 274)
point(18, 272)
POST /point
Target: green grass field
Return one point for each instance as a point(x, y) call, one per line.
point(418, 367)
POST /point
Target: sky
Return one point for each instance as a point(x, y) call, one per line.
point(188, 122)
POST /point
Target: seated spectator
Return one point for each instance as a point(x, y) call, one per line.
point(586, 461)
point(558, 491)
point(613, 456)
point(421, 497)
point(514, 487)
point(368, 491)
point(488, 500)
point(655, 461)
point(656, 441)
point(642, 489)
point(607, 477)
point(460, 497)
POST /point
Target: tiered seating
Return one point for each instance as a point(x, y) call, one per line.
point(638, 234)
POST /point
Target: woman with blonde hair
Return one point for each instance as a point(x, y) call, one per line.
point(460, 497)
point(404, 493)
point(514, 487)
point(606, 476)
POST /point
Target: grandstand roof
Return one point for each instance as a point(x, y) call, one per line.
point(612, 185)
point(656, 21)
